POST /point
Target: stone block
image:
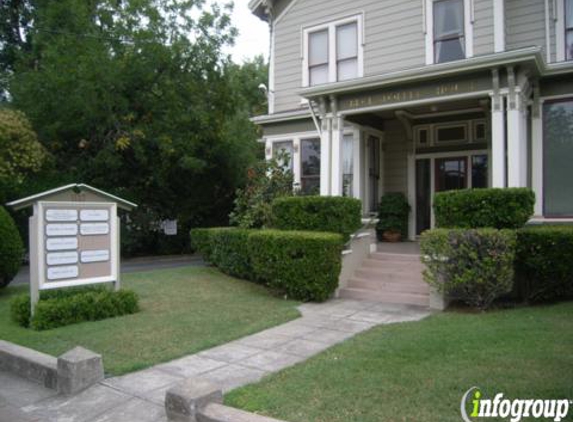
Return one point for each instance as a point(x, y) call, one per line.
point(78, 369)
point(29, 364)
point(183, 402)
point(219, 413)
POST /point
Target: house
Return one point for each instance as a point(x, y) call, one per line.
point(420, 96)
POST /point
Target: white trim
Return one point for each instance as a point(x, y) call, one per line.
point(547, 32)
point(499, 25)
point(468, 29)
point(271, 93)
point(537, 158)
point(332, 63)
point(560, 30)
point(285, 11)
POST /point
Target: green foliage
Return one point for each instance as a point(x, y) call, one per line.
point(266, 181)
point(201, 241)
point(544, 263)
point(20, 151)
point(11, 248)
point(475, 266)
point(475, 208)
point(393, 214)
point(154, 110)
point(71, 306)
point(318, 213)
point(303, 265)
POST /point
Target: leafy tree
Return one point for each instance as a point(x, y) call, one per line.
point(136, 97)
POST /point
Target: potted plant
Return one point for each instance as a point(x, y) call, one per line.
point(393, 217)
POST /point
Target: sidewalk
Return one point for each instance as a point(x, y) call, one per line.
point(139, 396)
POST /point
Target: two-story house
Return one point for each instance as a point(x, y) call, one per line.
point(420, 96)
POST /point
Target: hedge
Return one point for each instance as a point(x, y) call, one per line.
point(11, 248)
point(474, 265)
point(303, 265)
point(475, 208)
point(544, 263)
point(318, 213)
point(70, 306)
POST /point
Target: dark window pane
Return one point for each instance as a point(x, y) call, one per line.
point(423, 137)
point(451, 173)
point(451, 134)
point(449, 50)
point(480, 132)
point(479, 171)
point(558, 158)
point(310, 175)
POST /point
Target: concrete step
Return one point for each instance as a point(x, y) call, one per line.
point(385, 297)
point(378, 274)
point(395, 257)
point(399, 266)
point(385, 286)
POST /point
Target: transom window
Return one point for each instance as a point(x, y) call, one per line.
point(333, 52)
point(449, 33)
point(569, 29)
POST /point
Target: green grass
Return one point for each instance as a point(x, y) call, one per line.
point(419, 371)
point(183, 311)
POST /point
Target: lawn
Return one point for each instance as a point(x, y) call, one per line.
point(420, 371)
point(183, 311)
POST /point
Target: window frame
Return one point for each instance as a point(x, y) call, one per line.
point(331, 27)
point(302, 177)
point(429, 30)
point(566, 30)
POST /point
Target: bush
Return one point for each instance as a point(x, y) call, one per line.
point(201, 241)
point(475, 208)
point(71, 306)
point(303, 265)
point(544, 263)
point(230, 252)
point(475, 266)
point(11, 248)
point(393, 214)
point(318, 213)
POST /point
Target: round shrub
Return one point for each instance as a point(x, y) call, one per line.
point(11, 248)
point(318, 213)
point(393, 214)
point(475, 266)
point(475, 208)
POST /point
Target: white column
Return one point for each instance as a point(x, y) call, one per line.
point(356, 164)
point(498, 143)
point(516, 144)
point(337, 139)
point(325, 141)
point(537, 152)
point(499, 25)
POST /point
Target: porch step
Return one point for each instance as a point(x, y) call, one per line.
point(389, 278)
point(389, 286)
point(385, 297)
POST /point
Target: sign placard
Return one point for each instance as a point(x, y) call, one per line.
point(100, 255)
point(94, 229)
point(61, 229)
point(61, 215)
point(61, 273)
point(61, 258)
point(61, 243)
point(94, 215)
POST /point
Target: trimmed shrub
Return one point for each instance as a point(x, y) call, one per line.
point(475, 208)
point(544, 263)
point(71, 306)
point(393, 214)
point(230, 252)
point(475, 266)
point(303, 265)
point(11, 248)
point(318, 213)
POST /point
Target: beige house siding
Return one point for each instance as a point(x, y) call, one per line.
point(395, 166)
point(525, 24)
point(483, 27)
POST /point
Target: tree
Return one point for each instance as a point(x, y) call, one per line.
point(136, 97)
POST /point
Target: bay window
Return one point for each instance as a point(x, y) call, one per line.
point(333, 52)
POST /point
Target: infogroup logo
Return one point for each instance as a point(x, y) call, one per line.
point(513, 410)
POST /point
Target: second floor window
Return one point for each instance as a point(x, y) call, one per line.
point(333, 52)
point(569, 29)
point(449, 36)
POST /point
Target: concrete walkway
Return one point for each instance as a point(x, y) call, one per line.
point(139, 396)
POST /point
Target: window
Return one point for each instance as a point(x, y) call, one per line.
point(479, 171)
point(557, 158)
point(347, 165)
point(310, 168)
point(284, 151)
point(451, 133)
point(333, 52)
point(449, 34)
point(569, 29)
point(479, 131)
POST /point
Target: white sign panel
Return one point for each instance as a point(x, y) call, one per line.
point(61, 243)
point(61, 229)
point(94, 215)
point(100, 255)
point(170, 227)
point(61, 215)
point(62, 258)
point(91, 229)
point(61, 273)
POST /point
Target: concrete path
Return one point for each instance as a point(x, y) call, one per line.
point(139, 396)
point(134, 265)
